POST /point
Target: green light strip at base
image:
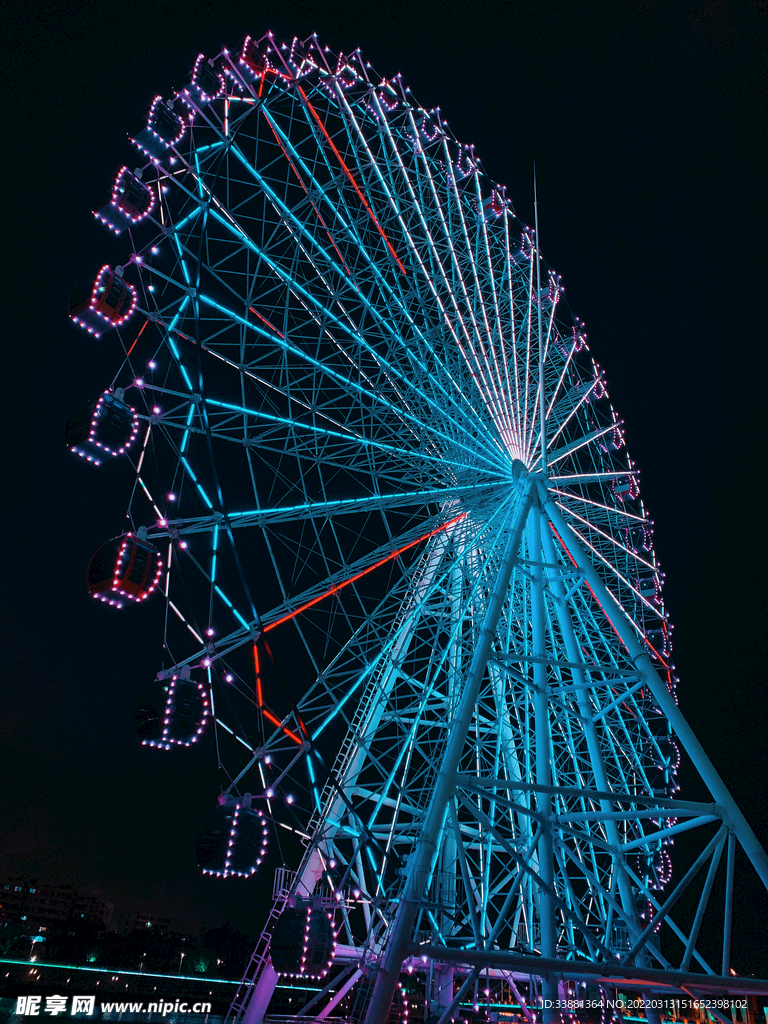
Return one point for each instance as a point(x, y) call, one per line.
point(107, 970)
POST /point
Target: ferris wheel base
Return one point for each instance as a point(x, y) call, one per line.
point(524, 966)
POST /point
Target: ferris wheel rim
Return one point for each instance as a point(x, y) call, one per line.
point(564, 480)
point(180, 527)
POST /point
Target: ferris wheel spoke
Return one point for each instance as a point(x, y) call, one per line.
point(476, 371)
point(290, 220)
point(494, 336)
point(556, 390)
point(357, 442)
point(226, 425)
point(353, 182)
point(428, 234)
point(412, 244)
point(586, 478)
point(606, 536)
point(567, 409)
point(613, 510)
point(513, 338)
point(573, 446)
point(384, 319)
point(322, 510)
point(479, 331)
point(311, 201)
point(345, 217)
point(350, 220)
point(526, 328)
point(359, 137)
point(482, 370)
point(300, 603)
point(615, 572)
point(536, 455)
point(357, 389)
point(304, 294)
point(498, 331)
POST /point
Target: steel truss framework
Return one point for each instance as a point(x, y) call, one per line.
point(372, 420)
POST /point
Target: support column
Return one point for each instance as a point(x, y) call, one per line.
point(658, 688)
point(440, 990)
point(574, 653)
point(593, 745)
point(424, 853)
point(547, 920)
point(728, 922)
point(441, 980)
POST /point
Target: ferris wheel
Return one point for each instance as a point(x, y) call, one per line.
point(376, 480)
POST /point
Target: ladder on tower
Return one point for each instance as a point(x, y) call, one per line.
point(255, 964)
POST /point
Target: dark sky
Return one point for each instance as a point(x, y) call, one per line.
point(647, 124)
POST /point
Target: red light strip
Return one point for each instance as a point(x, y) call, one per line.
point(175, 330)
point(260, 700)
point(257, 667)
point(127, 354)
point(648, 642)
point(264, 319)
point(306, 190)
point(352, 181)
point(271, 71)
point(276, 721)
point(363, 572)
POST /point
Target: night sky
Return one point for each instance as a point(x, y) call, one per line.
point(647, 125)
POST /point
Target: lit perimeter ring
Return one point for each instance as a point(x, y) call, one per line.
point(341, 394)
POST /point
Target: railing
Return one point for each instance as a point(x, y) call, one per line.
point(277, 1018)
point(255, 964)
